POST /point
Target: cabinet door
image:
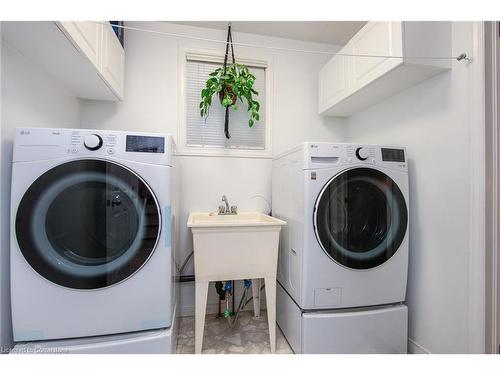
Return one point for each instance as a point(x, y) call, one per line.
point(375, 38)
point(333, 82)
point(86, 36)
point(113, 61)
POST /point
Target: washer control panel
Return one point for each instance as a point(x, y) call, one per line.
point(376, 155)
point(32, 144)
point(92, 142)
point(324, 155)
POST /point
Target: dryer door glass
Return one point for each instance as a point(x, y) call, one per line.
point(88, 224)
point(360, 218)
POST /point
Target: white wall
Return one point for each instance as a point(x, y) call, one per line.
point(151, 104)
point(433, 121)
point(29, 97)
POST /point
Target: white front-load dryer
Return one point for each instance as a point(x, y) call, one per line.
point(346, 244)
point(91, 233)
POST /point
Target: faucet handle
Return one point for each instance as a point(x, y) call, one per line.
point(222, 210)
point(234, 209)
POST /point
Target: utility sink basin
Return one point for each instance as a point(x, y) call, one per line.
point(212, 219)
point(234, 247)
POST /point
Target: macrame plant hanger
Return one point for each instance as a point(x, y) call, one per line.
point(229, 43)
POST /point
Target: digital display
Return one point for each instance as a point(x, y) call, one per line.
point(393, 154)
point(139, 143)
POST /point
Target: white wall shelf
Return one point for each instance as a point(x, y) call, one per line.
point(348, 84)
point(85, 57)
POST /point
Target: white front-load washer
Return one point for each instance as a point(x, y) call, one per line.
point(91, 233)
point(346, 245)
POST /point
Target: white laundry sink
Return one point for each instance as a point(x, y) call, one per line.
point(234, 247)
point(212, 219)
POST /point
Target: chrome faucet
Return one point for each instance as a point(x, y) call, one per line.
point(225, 210)
point(224, 199)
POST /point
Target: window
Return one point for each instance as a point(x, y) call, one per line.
point(207, 134)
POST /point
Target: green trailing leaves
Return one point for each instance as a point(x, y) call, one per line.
point(236, 83)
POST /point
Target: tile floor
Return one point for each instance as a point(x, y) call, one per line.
point(250, 335)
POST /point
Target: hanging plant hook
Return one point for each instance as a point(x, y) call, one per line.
point(230, 82)
point(224, 92)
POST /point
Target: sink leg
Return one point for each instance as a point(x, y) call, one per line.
point(256, 297)
point(271, 310)
point(200, 307)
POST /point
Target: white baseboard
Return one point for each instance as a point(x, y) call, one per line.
point(415, 348)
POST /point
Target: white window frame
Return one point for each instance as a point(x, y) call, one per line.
point(215, 56)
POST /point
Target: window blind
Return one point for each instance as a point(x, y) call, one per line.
point(209, 132)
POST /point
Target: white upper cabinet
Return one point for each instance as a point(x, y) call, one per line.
point(113, 60)
point(379, 39)
point(84, 56)
point(348, 84)
point(334, 80)
point(87, 37)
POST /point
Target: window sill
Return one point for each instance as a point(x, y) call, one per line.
point(225, 153)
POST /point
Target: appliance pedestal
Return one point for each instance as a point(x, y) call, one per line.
point(366, 330)
point(158, 341)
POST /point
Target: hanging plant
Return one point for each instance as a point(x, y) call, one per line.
point(231, 82)
point(236, 83)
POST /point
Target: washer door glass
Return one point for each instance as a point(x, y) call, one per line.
point(87, 224)
point(360, 218)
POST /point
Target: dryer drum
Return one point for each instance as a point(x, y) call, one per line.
point(361, 218)
point(87, 224)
